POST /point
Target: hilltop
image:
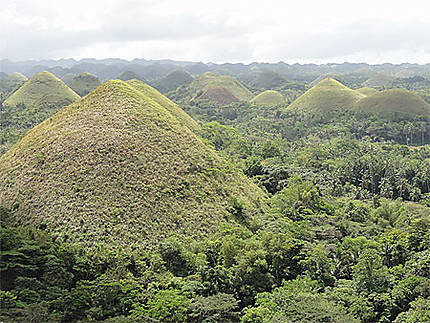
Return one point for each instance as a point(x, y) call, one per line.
point(118, 167)
point(325, 76)
point(269, 97)
point(210, 80)
point(328, 94)
point(219, 95)
point(84, 83)
point(173, 80)
point(395, 100)
point(42, 90)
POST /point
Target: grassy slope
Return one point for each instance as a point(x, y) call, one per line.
point(327, 95)
point(118, 167)
point(84, 83)
point(173, 108)
point(208, 80)
point(43, 89)
point(269, 97)
point(218, 95)
point(395, 100)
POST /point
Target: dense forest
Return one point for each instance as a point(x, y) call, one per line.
point(319, 213)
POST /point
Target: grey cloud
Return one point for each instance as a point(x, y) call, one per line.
point(360, 36)
point(217, 36)
point(130, 25)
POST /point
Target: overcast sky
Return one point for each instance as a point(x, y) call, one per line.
point(373, 31)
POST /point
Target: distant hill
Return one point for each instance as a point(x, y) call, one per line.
point(18, 77)
point(218, 95)
point(264, 79)
point(10, 83)
point(67, 78)
point(209, 80)
point(395, 100)
point(84, 83)
point(269, 97)
point(173, 80)
point(118, 167)
point(128, 75)
point(367, 91)
point(378, 80)
point(327, 95)
point(38, 99)
point(42, 90)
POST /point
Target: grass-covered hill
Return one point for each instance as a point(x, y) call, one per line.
point(68, 77)
point(165, 102)
point(367, 91)
point(38, 99)
point(118, 167)
point(10, 83)
point(269, 97)
point(327, 95)
point(379, 80)
point(209, 80)
point(395, 100)
point(18, 77)
point(264, 79)
point(84, 83)
point(42, 90)
point(219, 95)
point(128, 75)
point(173, 80)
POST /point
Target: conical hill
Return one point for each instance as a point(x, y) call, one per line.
point(84, 83)
point(268, 97)
point(118, 167)
point(210, 80)
point(327, 95)
point(394, 101)
point(42, 90)
point(219, 95)
point(173, 80)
